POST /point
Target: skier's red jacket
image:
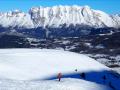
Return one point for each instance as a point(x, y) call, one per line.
point(59, 76)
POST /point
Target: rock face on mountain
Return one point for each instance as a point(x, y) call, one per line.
point(15, 19)
point(58, 21)
point(57, 16)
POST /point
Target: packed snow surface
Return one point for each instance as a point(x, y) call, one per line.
point(65, 84)
point(29, 64)
point(37, 69)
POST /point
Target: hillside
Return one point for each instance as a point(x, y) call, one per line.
point(28, 64)
point(38, 68)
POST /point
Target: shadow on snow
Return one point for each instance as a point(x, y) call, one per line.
point(109, 78)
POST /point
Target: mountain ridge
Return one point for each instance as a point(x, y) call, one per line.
point(58, 15)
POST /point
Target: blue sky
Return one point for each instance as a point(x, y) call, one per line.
point(108, 6)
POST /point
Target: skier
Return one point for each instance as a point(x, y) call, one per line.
point(59, 76)
point(104, 78)
point(76, 70)
point(83, 75)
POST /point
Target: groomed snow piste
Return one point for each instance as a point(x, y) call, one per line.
point(65, 84)
point(33, 69)
point(29, 64)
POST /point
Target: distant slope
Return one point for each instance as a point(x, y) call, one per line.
point(59, 21)
point(58, 15)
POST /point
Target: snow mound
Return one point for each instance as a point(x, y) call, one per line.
point(29, 64)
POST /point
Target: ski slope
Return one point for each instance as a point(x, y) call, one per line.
point(65, 84)
point(29, 64)
point(37, 69)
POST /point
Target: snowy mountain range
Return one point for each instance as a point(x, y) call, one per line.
point(57, 16)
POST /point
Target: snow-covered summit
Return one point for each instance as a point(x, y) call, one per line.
point(16, 18)
point(58, 15)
